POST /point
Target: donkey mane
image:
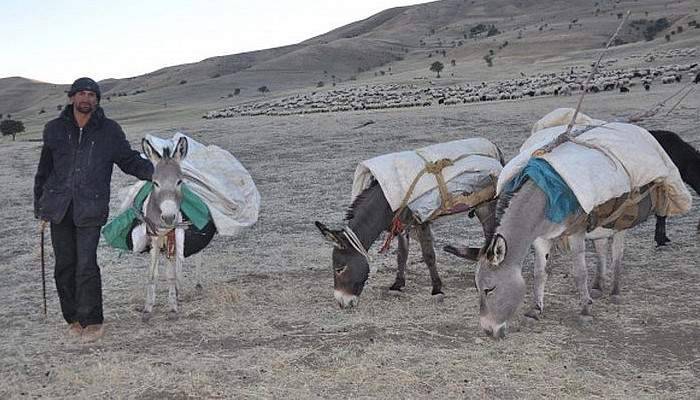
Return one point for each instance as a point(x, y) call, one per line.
point(166, 152)
point(504, 201)
point(360, 200)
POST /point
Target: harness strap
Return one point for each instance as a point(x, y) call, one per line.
point(355, 242)
point(634, 198)
point(447, 201)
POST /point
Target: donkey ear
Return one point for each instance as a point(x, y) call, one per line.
point(334, 237)
point(497, 249)
point(181, 149)
point(150, 151)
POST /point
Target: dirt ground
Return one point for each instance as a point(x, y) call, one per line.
point(266, 324)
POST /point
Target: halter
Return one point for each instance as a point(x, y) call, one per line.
point(357, 245)
point(355, 242)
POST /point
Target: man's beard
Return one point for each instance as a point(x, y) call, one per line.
point(84, 107)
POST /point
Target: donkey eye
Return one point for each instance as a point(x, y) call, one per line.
point(487, 291)
point(340, 269)
point(156, 184)
point(179, 182)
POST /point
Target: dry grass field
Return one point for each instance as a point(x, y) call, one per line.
point(265, 325)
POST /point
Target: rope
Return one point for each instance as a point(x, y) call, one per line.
point(653, 110)
point(567, 134)
point(355, 242)
point(634, 198)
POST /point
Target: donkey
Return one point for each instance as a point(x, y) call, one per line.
point(165, 225)
point(687, 160)
point(521, 222)
point(369, 215)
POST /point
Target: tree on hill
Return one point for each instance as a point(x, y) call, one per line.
point(11, 127)
point(437, 67)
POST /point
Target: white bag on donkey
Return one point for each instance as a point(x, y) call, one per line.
point(475, 165)
point(605, 161)
point(218, 178)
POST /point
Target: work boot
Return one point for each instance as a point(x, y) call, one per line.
point(74, 330)
point(92, 333)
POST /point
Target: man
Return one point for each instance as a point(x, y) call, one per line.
point(71, 191)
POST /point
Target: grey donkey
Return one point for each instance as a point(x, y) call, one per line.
point(521, 223)
point(164, 221)
point(369, 216)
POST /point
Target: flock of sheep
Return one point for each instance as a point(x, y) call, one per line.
point(384, 96)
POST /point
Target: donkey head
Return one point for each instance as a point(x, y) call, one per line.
point(350, 268)
point(164, 203)
point(501, 287)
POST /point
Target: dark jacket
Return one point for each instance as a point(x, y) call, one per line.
point(76, 166)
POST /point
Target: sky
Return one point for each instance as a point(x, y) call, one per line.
point(60, 40)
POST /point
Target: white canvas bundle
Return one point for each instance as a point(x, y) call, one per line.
point(218, 178)
point(604, 162)
point(395, 173)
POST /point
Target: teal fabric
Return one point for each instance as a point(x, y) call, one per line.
point(117, 231)
point(561, 201)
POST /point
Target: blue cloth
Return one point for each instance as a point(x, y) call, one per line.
point(561, 201)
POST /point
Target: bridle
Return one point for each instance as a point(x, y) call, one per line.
point(360, 248)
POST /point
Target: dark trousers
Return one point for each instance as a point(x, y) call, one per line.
point(78, 279)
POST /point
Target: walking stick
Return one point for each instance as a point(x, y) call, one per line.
point(43, 267)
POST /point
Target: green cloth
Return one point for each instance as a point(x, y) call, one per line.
point(116, 232)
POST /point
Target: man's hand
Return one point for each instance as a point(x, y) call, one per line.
point(42, 225)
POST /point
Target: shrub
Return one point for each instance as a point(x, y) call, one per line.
point(492, 31)
point(236, 91)
point(182, 82)
point(437, 66)
point(263, 89)
point(11, 127)
point(320, 84)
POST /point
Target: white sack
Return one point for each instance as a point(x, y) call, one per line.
point(218, 178)
point(605, 162)
point(396, 172)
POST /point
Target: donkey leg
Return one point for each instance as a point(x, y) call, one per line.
point(426, 243)
point(179, 261)
point(152, 277)
point(601, 249)
point(618, 246)
point(542, 248)
point(401, 258)
point(197, 262)
point(660, 232)
point(578, 249)
point(172, 288)
point(174, 273)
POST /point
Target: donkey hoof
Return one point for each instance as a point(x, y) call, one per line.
point(138, 307)
point(394, 292)
point(173, 316)
point(585, 319)
point(198, 287)
point(146, 316)
point(533, 314)
point(596, 293)
point(439, 297)
point(616, 299)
